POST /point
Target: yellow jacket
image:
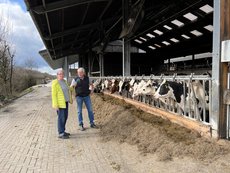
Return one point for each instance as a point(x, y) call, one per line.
point(58, 98)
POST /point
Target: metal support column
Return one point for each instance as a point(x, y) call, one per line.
point(89, 63)
point(126, 63)
point(84, 61)
point(66, 68)
point(126, 58)
point(80, 61)
point(101, 64)
point(214, 116)
point(218, 117)
point(193, 61)
point(168, 65)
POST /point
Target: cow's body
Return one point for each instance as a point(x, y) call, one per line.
point(97, 86)
point(193, 99)
point(124, 87)
point(115, 86)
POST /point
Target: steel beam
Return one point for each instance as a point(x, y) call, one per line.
point(78, 29)
point(61, 5)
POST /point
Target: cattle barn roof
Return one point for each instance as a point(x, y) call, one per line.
point(169, 28)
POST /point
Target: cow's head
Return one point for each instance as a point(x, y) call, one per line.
point(120, 85)
point(163, 90)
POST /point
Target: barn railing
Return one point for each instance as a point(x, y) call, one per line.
point(195, 109)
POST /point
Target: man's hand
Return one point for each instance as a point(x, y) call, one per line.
point(91, 88)
point(73, 83)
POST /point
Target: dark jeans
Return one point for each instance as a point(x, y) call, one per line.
point(62, 118)
point(88, 105)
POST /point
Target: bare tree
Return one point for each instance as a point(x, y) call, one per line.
point(30, 63)
point(6, 56)
point(11, 56)
point(5, 64)
point(4, 28)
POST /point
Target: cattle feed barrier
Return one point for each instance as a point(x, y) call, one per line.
point(196, 109)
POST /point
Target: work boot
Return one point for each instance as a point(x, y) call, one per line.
point(93, 126)
point(82, 128)
point(63, 136)
point(67, 134)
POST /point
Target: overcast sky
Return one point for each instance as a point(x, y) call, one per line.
point(23, 35)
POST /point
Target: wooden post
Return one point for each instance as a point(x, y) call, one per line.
point(224, 35)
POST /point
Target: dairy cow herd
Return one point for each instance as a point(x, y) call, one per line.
point(189, 98)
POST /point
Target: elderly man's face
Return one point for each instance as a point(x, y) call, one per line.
point(80, 73)
point(60, 75)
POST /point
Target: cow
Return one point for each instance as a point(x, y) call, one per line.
point(149, 88)
point(120, 86)
point(97, 86)
point(137, 88)
point(187, 100)
point(132, 83)
point(124, 86)
point(107, 83)
point(114, 86)
point(173, 91)
point(202, 96)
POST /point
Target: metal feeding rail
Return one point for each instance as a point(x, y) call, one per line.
point(193, 108)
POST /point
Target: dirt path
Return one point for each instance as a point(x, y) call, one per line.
point(29, 141)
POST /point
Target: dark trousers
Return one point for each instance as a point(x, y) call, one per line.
point(62, 118)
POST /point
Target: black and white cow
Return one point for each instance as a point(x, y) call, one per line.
point(124, 87)
point(191, 98)
point(97, 86)
point(185, 100)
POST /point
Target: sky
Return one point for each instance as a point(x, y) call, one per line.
point(23, 35)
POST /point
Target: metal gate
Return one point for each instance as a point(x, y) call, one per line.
point(199, 110)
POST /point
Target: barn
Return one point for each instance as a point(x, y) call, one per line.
point(146, 39)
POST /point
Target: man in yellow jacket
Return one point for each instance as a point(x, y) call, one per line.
point(61, 96)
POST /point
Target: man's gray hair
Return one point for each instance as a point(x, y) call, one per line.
point(81, 69)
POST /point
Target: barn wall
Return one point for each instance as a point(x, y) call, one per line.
point(113, 64)
point(140, 64)
point(145, 64)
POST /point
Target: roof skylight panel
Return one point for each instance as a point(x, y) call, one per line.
point(196, 33)
point(207, 9)
point(190, 17)
point(177, 23)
